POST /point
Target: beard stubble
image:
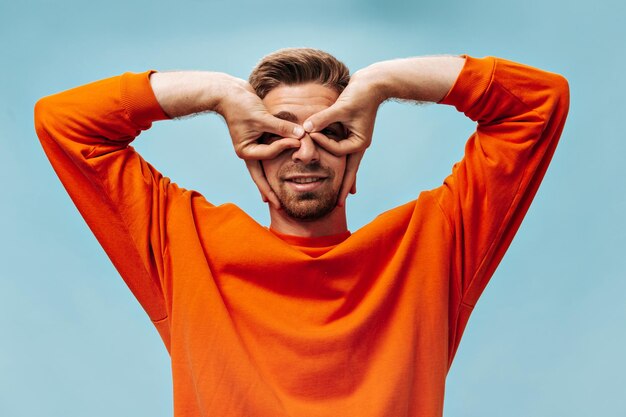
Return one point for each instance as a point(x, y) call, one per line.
point(311, 205)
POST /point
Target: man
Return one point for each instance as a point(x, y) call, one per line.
point(304, 318)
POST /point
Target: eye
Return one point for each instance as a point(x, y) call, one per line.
point(335, 132)
point(268, 138)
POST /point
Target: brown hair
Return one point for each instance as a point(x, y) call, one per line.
point(293, 66)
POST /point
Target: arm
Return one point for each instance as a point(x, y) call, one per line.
point(520, 112)
point(189, 92)
point(86, 133)
point(416, 79)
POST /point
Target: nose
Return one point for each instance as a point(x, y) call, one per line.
point(307, 152)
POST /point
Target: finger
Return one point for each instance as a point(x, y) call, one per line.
point(349, 145)
point(258, 176)
point(349, 177)
point(281, 127)
point(323, 118)
point(262, 151)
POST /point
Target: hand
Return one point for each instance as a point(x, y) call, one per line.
point(356, 109)
point(247, 120)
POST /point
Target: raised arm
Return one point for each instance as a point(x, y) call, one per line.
point(189, 92)
point(86, 133)
point(416, 79)
point(520, 113)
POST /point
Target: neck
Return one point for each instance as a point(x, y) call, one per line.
point(331, 224)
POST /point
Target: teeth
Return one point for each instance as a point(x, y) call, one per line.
point(304, 180)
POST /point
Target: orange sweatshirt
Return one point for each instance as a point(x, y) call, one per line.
point(263, 325)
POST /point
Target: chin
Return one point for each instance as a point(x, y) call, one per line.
point(309, 208)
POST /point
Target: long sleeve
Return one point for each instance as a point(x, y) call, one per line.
point(520, 113)
point(86, 133)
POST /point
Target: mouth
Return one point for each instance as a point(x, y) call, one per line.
point(304, 182)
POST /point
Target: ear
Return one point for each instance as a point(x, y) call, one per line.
point(349, 179)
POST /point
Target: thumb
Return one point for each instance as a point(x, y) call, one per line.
point(284, 128)
point(322, 119)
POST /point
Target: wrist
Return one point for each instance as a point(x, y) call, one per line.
point(377, 81)
point(183, 93)
point(223, 88)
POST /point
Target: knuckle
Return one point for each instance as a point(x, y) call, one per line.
point(242, 152)
point(283, 127)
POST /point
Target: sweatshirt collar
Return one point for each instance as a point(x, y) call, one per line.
point(312, 242)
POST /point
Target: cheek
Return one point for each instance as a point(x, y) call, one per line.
point(272, 167)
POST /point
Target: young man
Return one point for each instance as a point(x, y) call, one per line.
point(304, 318)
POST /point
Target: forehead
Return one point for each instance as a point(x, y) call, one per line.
point(303, 100)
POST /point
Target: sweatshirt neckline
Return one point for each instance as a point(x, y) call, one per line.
point(312, 242)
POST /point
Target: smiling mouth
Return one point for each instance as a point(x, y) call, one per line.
point(305, 184)
point(306, 180)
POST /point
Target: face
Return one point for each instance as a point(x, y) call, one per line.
point(306, 180)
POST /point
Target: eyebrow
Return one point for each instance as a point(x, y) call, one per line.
point(286, 115)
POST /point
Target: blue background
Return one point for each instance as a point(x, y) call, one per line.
point(548, 336)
